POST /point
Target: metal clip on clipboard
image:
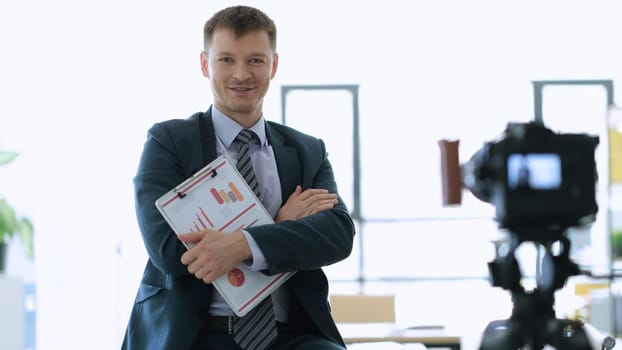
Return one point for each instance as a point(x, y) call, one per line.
point(181, 193)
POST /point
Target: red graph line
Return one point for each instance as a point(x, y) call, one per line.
point(237, 217)
point(201, 221)
point(261, 291)
point(206, 218)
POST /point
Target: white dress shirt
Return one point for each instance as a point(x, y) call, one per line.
point(264, 165)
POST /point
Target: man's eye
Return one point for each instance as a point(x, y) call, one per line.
point(256, 61)
point(225, 59)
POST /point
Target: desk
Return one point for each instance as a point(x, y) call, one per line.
point(432, 337)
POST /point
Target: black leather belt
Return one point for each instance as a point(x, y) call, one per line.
point(219, 324)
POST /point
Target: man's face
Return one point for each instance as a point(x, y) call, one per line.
point(240, 70)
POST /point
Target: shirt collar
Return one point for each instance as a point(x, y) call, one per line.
point(227, 129)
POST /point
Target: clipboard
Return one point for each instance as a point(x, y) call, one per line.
point(218, 198)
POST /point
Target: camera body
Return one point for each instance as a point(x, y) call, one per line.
point(536, 178)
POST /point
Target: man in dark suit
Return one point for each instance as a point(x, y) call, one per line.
point(176, 306)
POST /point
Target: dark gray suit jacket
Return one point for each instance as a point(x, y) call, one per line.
point(171, 304)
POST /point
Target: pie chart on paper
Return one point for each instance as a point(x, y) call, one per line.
point(236, 277)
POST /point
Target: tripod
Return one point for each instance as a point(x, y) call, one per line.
point(533, 324)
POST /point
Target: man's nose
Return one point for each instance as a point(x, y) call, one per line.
point(242, 72)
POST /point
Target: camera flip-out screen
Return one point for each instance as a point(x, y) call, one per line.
point(534, 171)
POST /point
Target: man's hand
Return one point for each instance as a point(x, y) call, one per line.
point(214, 253)
point(301, 204)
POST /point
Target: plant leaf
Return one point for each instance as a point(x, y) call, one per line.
point(25, 231)
point(7, 156)
point(7, 220)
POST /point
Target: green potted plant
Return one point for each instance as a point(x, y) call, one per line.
point(12, 225)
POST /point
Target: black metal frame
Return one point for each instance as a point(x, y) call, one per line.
point(538, 88)
point(355, 211)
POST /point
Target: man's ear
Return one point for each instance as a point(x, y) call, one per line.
point(275, 65)
point(204, 64)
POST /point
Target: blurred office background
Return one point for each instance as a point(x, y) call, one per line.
point(82, 81)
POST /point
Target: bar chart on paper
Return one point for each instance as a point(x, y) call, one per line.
point(211, 200)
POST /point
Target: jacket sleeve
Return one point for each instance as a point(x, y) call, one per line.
point(160, 169)
point(316, 240)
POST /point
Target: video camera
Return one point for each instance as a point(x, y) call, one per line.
point(541, 183)
point(533, 177)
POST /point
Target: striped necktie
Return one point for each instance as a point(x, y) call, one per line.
point(245, 166)
point(257, 329)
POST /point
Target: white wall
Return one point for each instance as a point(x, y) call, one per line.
point(81, 81)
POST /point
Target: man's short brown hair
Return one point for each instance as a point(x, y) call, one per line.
point(241, 20)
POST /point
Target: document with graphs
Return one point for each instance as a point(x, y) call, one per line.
point(218, 198)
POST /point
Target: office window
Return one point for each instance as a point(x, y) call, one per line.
point(576, 106)
point(327, 112)
point(392, 184)
point(393, 190)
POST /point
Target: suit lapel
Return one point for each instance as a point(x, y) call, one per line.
point(287, 162)
point(208, 137)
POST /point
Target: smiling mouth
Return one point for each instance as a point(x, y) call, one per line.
point(241, 89)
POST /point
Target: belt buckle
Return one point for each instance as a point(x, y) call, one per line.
point(230, 324)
